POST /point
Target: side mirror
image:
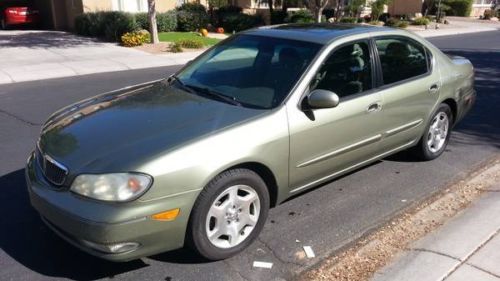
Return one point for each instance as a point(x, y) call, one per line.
point(322, 99)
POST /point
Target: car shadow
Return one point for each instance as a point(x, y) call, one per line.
point(27, 240)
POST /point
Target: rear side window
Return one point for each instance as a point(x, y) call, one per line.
point(401, 59)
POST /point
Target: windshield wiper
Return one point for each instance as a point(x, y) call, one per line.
point(212, 93)
point(181, 84)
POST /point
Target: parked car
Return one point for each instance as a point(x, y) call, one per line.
point(18, 13)
point(200, 157)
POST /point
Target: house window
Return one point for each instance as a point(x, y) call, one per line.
point(132, 6)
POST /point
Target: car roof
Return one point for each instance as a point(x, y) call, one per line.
point(321, 33)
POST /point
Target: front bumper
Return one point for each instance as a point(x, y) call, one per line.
point(80, 220)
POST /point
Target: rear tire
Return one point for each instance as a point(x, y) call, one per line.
point(3, 24)
point(228, 214)
point(436, 135)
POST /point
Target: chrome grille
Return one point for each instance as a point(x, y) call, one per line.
point(52, 170)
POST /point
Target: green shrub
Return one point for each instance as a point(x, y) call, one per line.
point(165, 22)
point(192, 7)
point(141, 20)
point(116, 24)
point(461, 8)
point(190, 43)
point(348, 20)
point(278, 17)
point(393, 22)
point(110, 25)
point(191, 17)
point(301, 16)
point(136, 38)
point(241, 22)
point(329, 13)
point(225, 11)
point(421, 21)
point(89, 24)
point(403, 24)
point(175, 48)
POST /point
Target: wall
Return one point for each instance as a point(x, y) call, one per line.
point(96, 5)
point(403, 7)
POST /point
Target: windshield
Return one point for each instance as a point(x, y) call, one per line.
point(253, 71)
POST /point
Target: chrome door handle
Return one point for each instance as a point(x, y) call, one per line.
point(434, 89)
point(374, 107)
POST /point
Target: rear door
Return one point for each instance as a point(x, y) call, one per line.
point(409, 89)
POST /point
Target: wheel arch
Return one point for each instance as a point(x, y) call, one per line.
point(265, 173)
point(453, 106)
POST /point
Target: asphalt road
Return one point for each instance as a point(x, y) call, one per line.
point(326, 218)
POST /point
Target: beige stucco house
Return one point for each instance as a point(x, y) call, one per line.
point(60, 14)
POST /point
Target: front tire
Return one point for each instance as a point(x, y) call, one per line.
point(229, 214)
point(437, 134)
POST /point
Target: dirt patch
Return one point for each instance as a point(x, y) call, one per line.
point(161, 48)
point(362, 260)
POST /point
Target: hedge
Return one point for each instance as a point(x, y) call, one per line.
point(165, 22)
point(109, 25)
point(191, 17)
point(240, 22)
point(461, 8)
point(301, 16)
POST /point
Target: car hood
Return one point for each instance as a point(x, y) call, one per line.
point(120, 130)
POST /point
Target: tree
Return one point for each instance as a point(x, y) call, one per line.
point(354, 7)
point(153, 28)
point(378, 8)
point(317, 7)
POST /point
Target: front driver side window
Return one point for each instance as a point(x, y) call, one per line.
point(347, 71)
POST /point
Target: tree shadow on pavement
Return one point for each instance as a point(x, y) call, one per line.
point(44, 39)
point(482, 125)
point(29, 242)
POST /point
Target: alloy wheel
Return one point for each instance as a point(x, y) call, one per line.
point(438, 132)
point(232, 216)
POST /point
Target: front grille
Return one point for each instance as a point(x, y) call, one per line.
point(52, 170)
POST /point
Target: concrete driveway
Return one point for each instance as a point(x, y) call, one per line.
point(27, 55)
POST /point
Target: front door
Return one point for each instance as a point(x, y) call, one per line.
point(324, 142)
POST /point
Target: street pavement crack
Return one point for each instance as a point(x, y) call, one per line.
point(434, 252)
point(483, 270)
point(19, 118)
point(471, 254)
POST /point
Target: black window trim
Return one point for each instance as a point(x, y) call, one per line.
point(380, 78)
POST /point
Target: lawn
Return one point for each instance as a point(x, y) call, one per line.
point(176, 36)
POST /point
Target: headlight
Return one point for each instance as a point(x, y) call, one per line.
point(112, 187)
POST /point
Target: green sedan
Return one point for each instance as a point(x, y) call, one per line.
point(199, 158)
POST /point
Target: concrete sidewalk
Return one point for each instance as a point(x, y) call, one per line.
point(457, 26)
point(466, 248)
point(37, 55)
